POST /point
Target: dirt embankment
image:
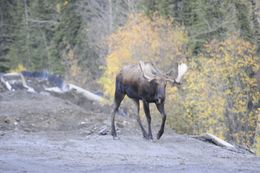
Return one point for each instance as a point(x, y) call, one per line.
point(66, 133)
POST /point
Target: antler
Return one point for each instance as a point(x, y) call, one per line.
point(182, 68)
point(147, 73)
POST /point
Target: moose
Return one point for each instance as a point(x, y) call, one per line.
point(144, 82)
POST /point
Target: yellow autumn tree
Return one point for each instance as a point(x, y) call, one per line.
point(154, 39)
point(219, 92)
point(19, 68)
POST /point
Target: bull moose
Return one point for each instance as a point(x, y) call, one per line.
point(147, 83)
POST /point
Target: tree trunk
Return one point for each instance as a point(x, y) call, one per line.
point(26, 15)
point(256, 25)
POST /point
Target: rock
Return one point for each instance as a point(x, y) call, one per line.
point(103, 131)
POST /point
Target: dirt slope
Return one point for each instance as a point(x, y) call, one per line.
point(43, 133)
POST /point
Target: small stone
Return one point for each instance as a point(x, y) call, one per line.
point(103, 131)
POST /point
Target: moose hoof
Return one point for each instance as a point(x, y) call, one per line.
point(145, 135)
point(113, 133)
point(149, 137)
point(159, 135)
point(116, 138)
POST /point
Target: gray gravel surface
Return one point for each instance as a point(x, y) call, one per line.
point(46, 134)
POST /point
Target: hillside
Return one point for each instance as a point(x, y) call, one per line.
point(37, 136)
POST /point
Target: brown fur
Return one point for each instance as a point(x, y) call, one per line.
point(130, 73)
point(133, 73)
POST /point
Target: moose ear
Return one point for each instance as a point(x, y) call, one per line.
point(153, 81)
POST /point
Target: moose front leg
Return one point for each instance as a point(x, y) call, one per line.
point(160, 108)
point(148, 117)
point(136, 101)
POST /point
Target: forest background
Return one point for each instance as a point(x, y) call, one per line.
point(88, 41)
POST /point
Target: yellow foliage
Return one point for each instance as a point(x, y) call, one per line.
point(143, 38)
point(217, 88)
point(58, 7)
point(19, 68)
point(217, 91)
point(66, 2)
point(61, 4)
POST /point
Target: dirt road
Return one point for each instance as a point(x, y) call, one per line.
point(39, 137)
point(61, 152)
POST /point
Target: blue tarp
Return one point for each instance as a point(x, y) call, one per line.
point(54, 80)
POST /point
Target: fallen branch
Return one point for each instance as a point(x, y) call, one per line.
point(87, 94)
point(7, 85)
point(54, 89)
point(215, 140)
point(19, 75)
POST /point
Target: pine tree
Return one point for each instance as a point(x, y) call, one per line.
point(6, 28)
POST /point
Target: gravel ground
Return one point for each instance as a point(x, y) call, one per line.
point(43, 133)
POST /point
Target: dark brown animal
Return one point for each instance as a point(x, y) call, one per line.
point(143, 82)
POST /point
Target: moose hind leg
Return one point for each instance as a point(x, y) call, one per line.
point(160, 108)
point(136, 101)
point(118, 99)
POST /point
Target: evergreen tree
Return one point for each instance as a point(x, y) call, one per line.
point(206, 19)
point(33, 21)
point(6, 28)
